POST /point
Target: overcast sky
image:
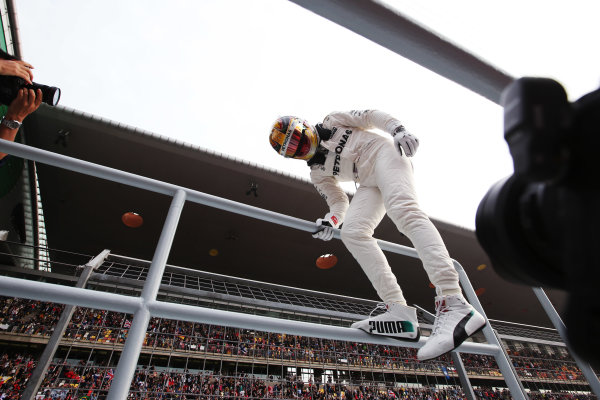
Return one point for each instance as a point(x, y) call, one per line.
point(217, 73)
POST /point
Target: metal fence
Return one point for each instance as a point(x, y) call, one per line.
point(146, 305)
point(371, 20)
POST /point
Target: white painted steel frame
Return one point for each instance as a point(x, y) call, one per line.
point(387, 27)
point(146, 306)
point(39, 372)
point(370, 19)
point(585, 367)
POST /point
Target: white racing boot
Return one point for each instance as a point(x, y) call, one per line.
point(398, 321)
point(455, 321)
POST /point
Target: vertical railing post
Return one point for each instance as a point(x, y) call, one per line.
point(510, 376)
point(585, 368)
point(462, 376)
point(125, 371)
point(38, 374)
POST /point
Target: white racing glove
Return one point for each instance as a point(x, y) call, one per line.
point(404, 140)
point(325, 227)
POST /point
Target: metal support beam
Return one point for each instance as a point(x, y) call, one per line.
point(585, 367)
point(37, 376)
point(462, 375)
point(517, 390)
point(147, 306)
point(269, 324)
point(137, 332)
point(42, 291)
point(22, 288)
point(152, 185)
point(394, 31)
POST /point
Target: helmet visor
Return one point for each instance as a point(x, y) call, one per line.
point(299, 140)
point(299, 144)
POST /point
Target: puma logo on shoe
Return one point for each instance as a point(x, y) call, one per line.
point(398, 321)
point(387, 327)
point(460, 333)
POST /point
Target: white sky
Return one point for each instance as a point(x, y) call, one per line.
point(216, 73)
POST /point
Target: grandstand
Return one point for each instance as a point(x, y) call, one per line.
point(207, 361)
point(61, 220)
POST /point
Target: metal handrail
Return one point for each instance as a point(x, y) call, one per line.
point(146, 306)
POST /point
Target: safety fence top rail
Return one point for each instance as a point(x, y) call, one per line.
point(516, 331)
point(124, 266)
point(103, 172)
point(238, 289)
point(146, 305)
point(246, 294)
point(153, 185)
point(190, 272)
point(120, 303)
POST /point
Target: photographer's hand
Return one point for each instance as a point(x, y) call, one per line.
point(26, 102)
point(21, 69)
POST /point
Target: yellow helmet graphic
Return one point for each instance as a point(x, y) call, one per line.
point(293, 137)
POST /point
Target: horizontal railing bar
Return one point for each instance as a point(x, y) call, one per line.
point(54, 293)
point(51, 292)
point(44, 248)
point(248, 321)
point(391, 29)
point(143, 308)
point(244, 281)
point(153, 185)
point(38, 259)
point(228, 298)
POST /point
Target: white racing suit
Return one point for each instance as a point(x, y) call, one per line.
point(386, 185)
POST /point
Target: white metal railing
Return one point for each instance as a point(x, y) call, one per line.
point(368, 18)
point(146, 305)
point(389, 28)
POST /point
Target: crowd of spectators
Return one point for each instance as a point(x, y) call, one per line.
point(150, 383)
point(556, 366)
point(37, 318)
point(26, 317)
point(84, 380)
point(15, 369)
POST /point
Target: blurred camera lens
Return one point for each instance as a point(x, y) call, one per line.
point(50, 94)
point(10, 85)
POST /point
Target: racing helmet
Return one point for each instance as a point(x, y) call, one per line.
point(293, 137)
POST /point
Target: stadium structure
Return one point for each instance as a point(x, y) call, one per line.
point(216, 295)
